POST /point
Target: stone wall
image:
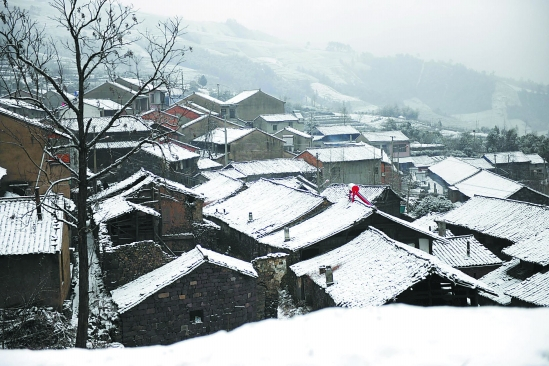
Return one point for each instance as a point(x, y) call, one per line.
point(271, 269)
point(221, 298)
point(125, 263)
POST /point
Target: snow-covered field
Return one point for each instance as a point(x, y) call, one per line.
point(387, 335)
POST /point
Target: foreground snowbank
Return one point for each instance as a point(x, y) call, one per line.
point(387, 335)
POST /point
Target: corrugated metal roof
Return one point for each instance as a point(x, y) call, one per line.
point(507, 157)
point(337, 130)
point(333, 220)
point(534, 290)
point(500, 218)
point(271, 166)
point(272, 206)
point(486, 183)
point(133, 293)
point(349, 153)
point(385, 136)
point(340, 192)
point(373, 269)
point(502, 279)
point(453, 170)
point(453, 251)
point(534, 249)
point(278, 117)
point(21, 230)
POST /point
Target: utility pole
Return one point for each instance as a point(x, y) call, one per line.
point(317, 176)
point(226, 155)
point(217, 91)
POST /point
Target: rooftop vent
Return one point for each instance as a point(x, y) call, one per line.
point(329, 276)
point(286, 233)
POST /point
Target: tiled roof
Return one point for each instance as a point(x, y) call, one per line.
point(218, 187)
point(272, 166)
point(133, 293)
point(333, 220)
point(272, 206)
point(336, 192)
point(535, 159)
point(534, 249)
point(349, 153)
point(123, 124)
point(507, 157)
point(295, 132)
point(209, 97)
point(372, 270)
point(478, 162)
point(421, 161)
point(502, 279)
point(170, 152)
point(205, 163)
point(453, 251)
point(500, 218)
point(240, 97)
point(486, 183)
point(21, 230)
point(385, 136)
point(296, 182)
point(534, 290)
point(116, 145)
point(453, 170)
point(104, 103)
point(278, 117)
point(233, 134)
point(337, 130)
point(117, 206)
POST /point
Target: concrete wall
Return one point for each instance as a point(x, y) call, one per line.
point(206, 103)
point(200, 128)
point(111, 92)
point(225, 298)
point(257, 104)
point(256, 146)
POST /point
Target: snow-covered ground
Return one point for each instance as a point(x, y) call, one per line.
point(387, 335)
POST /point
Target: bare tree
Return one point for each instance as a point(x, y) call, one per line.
point(89, 36)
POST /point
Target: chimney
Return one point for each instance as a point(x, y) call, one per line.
point(250, 217)
point(441, 228)
point(329, 276)
point(468, 248)
point(38, 206)
point(286, 233)
point(321, 269)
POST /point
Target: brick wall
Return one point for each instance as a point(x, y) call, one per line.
point(225, 299)
point(271, 269)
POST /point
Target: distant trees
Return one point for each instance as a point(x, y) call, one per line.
point(338, 47)
point(396, 111)
point(502, 140)
point(431, 204)
point(202, 81)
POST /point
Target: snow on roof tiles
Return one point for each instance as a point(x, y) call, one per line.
point(453, 170)
point(117, 206)
point(133, 293)
point(372, 270)
point(272, 166)
point(233, 134)
point(218, 187)
point(486, 183)
point(500, 218)
point(240, 97)
point(534, 290)
point(507, 157)
point(333, 220)
point(271, 205)
point(421, 161)
point(535, 159)
point(278, 117)
point(205, 163)
point(453, 251)
point(339, 191)
point(502, 279)
point(478, 162)
point(171, 152)
point(209, 97)
point(294, 131)
point(385, 136)
point(22, 231)
point(349, 153)
point(337, 130)
point(123, 124)
point(104, 103)
point(534, 249)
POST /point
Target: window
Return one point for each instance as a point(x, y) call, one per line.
point(232, 113)
point(290, 124)
point(335, 171)
point(399, 148)
point(196, 316)
point(223, 112)
point(275, 127)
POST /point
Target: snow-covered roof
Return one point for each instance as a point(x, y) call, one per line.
point(198, 107)
point(419, 146)
point(296, 182)
point(453, 170)
point(409, 225)
point(385, 136)
point(218, 187)
point(507, 157)
point(272, 206)
point(240, 97)
point(486, 183)
point(295, 132)
point(205, 163)
point(478, 162)
point(19, 104)
point(500, 218)
point(117, 206)
point(534, 249)
point(535, 159)
point(337, 130)
point(421, 161)
point(534, 290)
point(349, 153)
point(22, 231)
point(232, 173)
point(133, 293)
point(333, 220)
point(271, 166)
point(171, 152)
point(373, 269)
point(453, 251)
point(278, 117)
point(501, 279)
point(103, 103)
point(339, 191)
point(209, 97)
point(427, 222)
point(218, 135)
point(116, 145)
point(122, 124)
point(135, 82)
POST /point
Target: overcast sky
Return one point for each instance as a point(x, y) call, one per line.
point(509, 37)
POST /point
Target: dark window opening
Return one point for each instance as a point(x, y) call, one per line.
point(232, 113)
point(275, 127)
point(196, 316)
point(309, 253)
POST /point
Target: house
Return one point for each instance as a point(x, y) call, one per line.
point(419, 163)
point(203, 125)
point(538, 170)
point(163, 121)
point(121, 94)
point(394, 143)
point(22, 108)
point(199, 293)
point(359, 164)
point(240, 144)
point(34, 252)
point(205, 164)
point(205, 101)
point(511, 164)
point(450, 171)
point(295, 140)
point(250, 104)
point(272, 123)
point(125, 128)
point(95, 108)
point(374, 270)
point(334, 134)
point(271, 168)
point(219, 187)
point(27, 164)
